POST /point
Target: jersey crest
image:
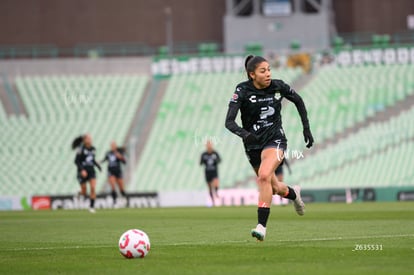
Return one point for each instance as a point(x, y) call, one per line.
point(277, 95)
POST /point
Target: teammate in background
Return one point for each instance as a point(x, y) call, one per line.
point(85, 162)
point(210, 159)
point(279, 176)
point(259, 101)
point(115, 158)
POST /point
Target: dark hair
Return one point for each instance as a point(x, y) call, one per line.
point(121, 150)
point(77, 142)
point(251, 62)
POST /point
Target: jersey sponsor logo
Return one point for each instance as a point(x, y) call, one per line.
point(266, 112)
point(253, 99)
point(41, 202)
point(234, 98)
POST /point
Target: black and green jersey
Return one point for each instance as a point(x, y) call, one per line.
point(260, 111)
point(85, 158)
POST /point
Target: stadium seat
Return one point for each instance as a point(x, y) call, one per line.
point(60, 108)
point(377, 155)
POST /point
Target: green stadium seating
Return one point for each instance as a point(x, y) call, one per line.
point(338, 98)
point(377, 155)
point(60, 108)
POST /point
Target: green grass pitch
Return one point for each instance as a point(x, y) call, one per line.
point(212, 241)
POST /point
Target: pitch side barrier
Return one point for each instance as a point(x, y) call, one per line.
point(133, 200)
point(228, 197)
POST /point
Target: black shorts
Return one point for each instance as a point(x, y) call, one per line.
point(115, 172)
point(91, 175)
point(255, 155)
point(211, 175)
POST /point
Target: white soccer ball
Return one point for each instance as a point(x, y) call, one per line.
point(134, 244)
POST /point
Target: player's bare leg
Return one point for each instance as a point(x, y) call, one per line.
point(120, 183)
point(281, 189)
point(283, 201)
point(112, 182)
point(216, 187)
point(82, 192)
point(92, 196)
point(210, 191)
point(269, 162)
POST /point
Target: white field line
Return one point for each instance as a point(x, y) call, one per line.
point(214, 242)
point(304, 240)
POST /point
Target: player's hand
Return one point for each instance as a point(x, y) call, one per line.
point(84, 174)
point(308, 137)
point(250, 139)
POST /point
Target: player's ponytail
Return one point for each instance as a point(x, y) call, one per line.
point(77, 142)
point(251, 62)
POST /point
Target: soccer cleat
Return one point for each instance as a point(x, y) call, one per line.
point(298, 203)
point(259, 232)
point(92, 210)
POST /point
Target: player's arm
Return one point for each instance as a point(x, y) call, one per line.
point(218, 158)
point(295, 98)
point(78, 163)
point(104, 159)
point(78, 160)
point(120, 156)
point(231, 125)
point(97, 165)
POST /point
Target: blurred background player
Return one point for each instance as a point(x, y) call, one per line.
point(280, 178)
point(115, 158)
point(85, 162)
point(210, 159)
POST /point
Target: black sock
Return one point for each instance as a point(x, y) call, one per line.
point(263, 215)
point(211, 195)
point(291, 195)
point(92, 203)
point(113, 193)
point(123, 193)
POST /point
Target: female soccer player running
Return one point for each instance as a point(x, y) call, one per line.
point(259, 101)
point(115, 158)
point(85, 162)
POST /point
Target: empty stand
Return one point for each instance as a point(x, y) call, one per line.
point(35, 154)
